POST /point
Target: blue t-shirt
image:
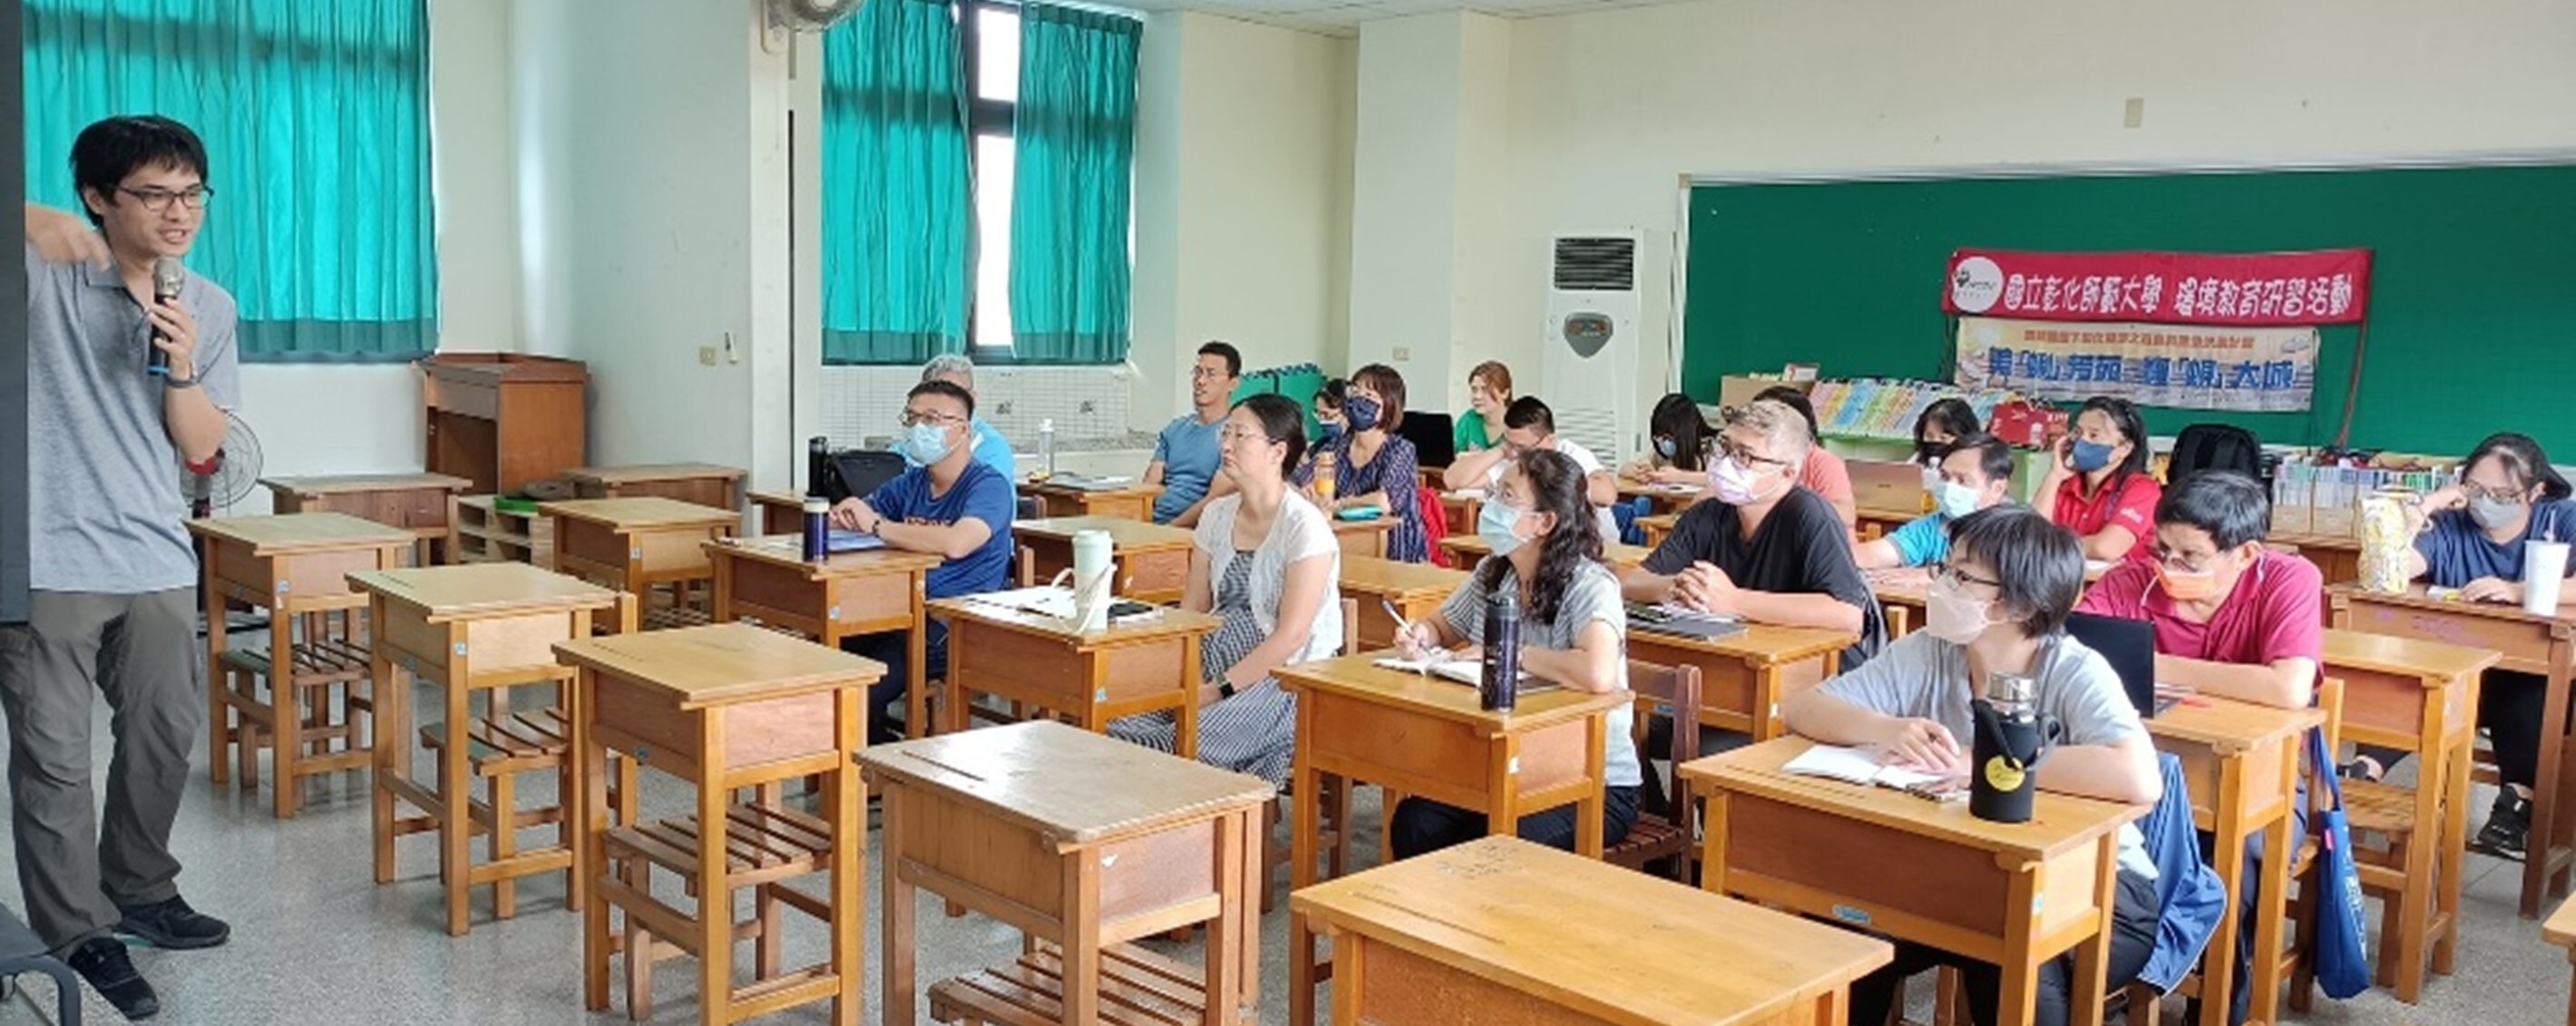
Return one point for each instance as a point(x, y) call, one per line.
point(1923, 541)
point(2456, 551)
point(1187, 450)
point(992, 450)
point(981, 493)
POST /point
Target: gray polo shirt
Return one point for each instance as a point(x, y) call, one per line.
point(106, 512)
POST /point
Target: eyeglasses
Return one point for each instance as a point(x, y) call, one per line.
point(1731, 449)
point(2180, 562)
point(158, 200)
point(1958, 578)
point(2478, 491)
point(911, 419)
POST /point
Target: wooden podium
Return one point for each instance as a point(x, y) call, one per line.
point(502, 420)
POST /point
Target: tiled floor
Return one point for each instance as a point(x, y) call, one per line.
point(316, 941)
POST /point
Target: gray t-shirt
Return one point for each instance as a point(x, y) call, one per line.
point(1592, 595)
point(106, 514)
point(1925, 677)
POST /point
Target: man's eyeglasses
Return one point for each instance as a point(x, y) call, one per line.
point(1958, 578)
point(158, 200)
point(2180, 562)
point(1734, 450)
point(911, 419)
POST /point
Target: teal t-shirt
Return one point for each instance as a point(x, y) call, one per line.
point(1924, 540)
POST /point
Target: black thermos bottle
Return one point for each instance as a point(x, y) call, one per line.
point(818, 463)
point(2010, 740)
point(1500, 685)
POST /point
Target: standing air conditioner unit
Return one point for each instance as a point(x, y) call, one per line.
point(1592, 335)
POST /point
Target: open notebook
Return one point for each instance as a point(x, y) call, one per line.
point(1470, 672)
point(1856, 765)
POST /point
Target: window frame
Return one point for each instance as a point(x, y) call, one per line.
point(984, 117)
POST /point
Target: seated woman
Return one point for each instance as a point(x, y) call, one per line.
point(1938, 427)
point(1373, 468)
point(1573, 627)
point(1999, 605)
point(1823, 473)
point(2098, 486)
point(1681, 444)
point(1489, 393)
point(1328, 408)
point(1267, 564)
point(2470, 536)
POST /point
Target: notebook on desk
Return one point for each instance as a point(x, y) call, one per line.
point(1673, 621)
point(852, 541)
point(1470, 672)
point(1090, 482)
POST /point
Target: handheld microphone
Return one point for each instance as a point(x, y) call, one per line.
point(168, 277)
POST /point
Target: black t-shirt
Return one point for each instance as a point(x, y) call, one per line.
point(1802, 547)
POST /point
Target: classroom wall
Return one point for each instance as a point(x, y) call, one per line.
point(1609, 110)
point(1243, 191)
point(323, 419)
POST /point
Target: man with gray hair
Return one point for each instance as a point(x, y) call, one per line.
point(991, 449)
point(1761, 547)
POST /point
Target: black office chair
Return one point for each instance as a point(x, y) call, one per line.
point(21, 952)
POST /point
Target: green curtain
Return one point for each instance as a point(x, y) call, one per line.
point(1074, 158)
point(897, 212)
point(315, 115)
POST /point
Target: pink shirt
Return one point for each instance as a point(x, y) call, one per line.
point(2273, 612)
point(1825, 475)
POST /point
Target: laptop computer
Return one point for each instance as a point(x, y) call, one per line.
point(1886, 486)
point(2130, 647)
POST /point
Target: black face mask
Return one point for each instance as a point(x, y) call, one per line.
point(1930, 454)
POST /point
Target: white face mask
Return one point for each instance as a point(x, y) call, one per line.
point(1950, 615)
point(1957, 500)
point(1731, 482)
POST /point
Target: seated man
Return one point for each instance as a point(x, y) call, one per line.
point(949, 504)
point(1185, 454)
point(1528, 424)
point(1761, 547)
point(2233, 619)
point(991, 449)
point(1973, 476)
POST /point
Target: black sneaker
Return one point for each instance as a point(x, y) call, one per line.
point(103, 962)
point(173, 925)
point(2508, 826)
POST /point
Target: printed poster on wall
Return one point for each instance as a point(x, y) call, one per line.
point(2329, 286)
point(2261, 370)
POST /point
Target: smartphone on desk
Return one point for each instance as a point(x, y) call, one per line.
point(1952, 789)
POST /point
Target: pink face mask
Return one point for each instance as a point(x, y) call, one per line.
point(1731, 482)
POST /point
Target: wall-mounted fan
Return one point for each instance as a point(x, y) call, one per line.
point(228, 477)
point(810, 15)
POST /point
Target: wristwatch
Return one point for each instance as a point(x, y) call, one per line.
point(1224, 688)
point(174, 381)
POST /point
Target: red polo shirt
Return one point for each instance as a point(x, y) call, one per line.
point(2272, 613)
point(2131, 505)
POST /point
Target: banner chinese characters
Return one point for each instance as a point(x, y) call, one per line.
point(2250, 289)
point(2268, 370)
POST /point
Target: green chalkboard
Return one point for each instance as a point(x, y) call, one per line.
point(2472, 324)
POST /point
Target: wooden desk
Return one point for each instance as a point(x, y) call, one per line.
point(1466, 550)
point(296, 566)
point(1426, 737)
point(2560, 930)
point(2543, 645)
point(2337, 557)
point(413, 502)
point(2420, 696)
point(1131, 502)
point(778, 513)
point(1364, 537)
point(721, 708)
point(2241, 764)
point(1415, 589)
point(1928, 872)
point(704, 484)
point(1084, 844)
point(1744, 678)
point(1150, 665)
point(1904, 596)
point(845, 596)
point(1462, 508)
point(1658, 528)
point(1667, 499)
point(1873, 524)
point(1152, 561)
point(1503, 930)
point(484, 627)
point(639, 545)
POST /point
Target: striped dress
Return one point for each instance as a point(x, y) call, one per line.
point(1253, 732)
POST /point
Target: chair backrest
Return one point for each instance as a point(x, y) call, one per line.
point(1350, 626)
point(1028, 567)
point(858, 472)
point(1671, 691)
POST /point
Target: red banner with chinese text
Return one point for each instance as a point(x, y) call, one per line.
point(2329, 286)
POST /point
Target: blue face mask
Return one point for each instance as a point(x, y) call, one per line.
point(1664, 447)
point(1495, 525)
point(2087, 457)
point(923, 444)
point(1361, 411)
point(1332, 430)
point(1957, 500)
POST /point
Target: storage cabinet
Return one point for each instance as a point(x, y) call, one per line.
point(501, 420)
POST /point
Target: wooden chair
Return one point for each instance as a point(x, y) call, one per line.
point(294, 714)
point(2401, 817)
point(1665, 815)
point(1335, 840)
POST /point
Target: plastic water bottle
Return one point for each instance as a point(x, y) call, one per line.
point(1326, 467)
point(818, 529)
point(1046, 448)
point(1092, 579)
point(1497, 690)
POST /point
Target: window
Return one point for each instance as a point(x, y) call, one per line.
point(991, 37)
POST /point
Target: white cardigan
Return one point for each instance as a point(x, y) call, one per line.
point(1300, 532)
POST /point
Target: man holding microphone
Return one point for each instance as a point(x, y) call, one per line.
point(127, 378)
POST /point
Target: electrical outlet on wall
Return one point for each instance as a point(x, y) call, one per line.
point(2135, 114)
point(1403, 353)
point(706, 356)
